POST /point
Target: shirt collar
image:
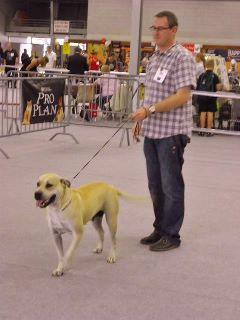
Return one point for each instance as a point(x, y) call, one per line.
point(168, 52)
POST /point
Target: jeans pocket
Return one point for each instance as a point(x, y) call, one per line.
point(184, 140)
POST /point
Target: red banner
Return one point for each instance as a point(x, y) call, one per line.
point(189, 46)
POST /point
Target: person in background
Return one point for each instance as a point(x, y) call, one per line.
point(77, 63)
point(52, 58)
point(107, 84)
point(233, 74)
point(166, 126)
point(34, 52)
point(10, 59)
point(111, 61)
point(208, 105)
point(94, 63)
point(32, 64)
point(144, 62)
point(200, 68)
point(1, 54)
point(200, 64)
point(24, 56)
point(58, 54)
point(119, 63)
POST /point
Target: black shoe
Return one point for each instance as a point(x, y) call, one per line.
point(152, 238)
point(210, 134)
point(164, 244)
point(201, 134)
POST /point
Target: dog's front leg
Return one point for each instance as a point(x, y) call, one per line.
point(71, 250)
point(57, 237)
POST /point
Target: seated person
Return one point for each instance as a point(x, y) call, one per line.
point(107, 83)
point(111, 62)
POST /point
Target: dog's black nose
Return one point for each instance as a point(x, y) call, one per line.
point(38, 195)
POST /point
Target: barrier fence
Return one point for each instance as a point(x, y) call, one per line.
point(227, 117)
point(31, 102)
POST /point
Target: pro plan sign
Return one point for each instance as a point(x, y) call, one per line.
point(42, 100)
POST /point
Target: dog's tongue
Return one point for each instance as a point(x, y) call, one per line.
point(38, 203)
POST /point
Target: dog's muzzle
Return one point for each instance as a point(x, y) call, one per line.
point(43, 203)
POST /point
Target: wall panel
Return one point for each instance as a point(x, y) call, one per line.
point(200, 21)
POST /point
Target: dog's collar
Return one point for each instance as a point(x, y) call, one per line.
point(66, 205)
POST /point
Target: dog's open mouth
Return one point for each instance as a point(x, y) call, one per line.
point(45, 203)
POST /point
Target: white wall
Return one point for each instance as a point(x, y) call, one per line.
point(110, 19)
point(215, 22)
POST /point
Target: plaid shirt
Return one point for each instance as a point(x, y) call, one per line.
point(181, 72)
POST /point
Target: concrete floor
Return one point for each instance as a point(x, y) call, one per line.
point(200, 280)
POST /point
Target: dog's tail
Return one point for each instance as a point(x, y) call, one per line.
point(129, 197)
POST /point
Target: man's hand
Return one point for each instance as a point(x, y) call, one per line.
point(140, 114)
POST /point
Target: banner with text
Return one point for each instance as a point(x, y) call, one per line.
point(43, 100)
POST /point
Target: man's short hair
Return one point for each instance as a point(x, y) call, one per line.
point(77, 49)
point(171, 17)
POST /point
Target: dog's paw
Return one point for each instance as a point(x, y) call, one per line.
point(98, 250)
point(57, 273)
point(111, 259)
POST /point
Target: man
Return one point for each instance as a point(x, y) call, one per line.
point(52, 58)
point(111, 61)
point(10, 59)
point(24, 56)
point(77, 63)
point(166, 127)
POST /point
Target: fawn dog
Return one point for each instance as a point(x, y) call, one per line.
point(69, 209)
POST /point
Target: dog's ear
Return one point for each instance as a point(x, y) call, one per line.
point(66, 182)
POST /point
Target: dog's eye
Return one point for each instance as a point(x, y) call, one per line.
point(38, 184)
point(49, 185)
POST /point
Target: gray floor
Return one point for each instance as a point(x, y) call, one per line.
point(200, 280)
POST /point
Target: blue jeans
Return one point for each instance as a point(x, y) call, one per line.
point(164, 160)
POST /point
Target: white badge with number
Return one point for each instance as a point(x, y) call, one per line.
point(160, 75)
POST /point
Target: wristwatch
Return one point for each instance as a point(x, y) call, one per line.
point(152, 109)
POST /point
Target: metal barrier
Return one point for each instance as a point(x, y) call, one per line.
point(227, 117)
point(104, 100)
point(94, 100)
point(12, 119)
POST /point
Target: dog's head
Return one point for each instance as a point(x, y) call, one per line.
point(51, 189)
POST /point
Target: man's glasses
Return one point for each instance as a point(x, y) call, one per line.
point(152, 28)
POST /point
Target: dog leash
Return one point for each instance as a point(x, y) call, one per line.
point(103, 146)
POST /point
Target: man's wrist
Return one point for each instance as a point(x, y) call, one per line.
point(152, 109)
point(147, 112)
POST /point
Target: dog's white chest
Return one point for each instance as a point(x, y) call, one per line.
point(58, 222)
